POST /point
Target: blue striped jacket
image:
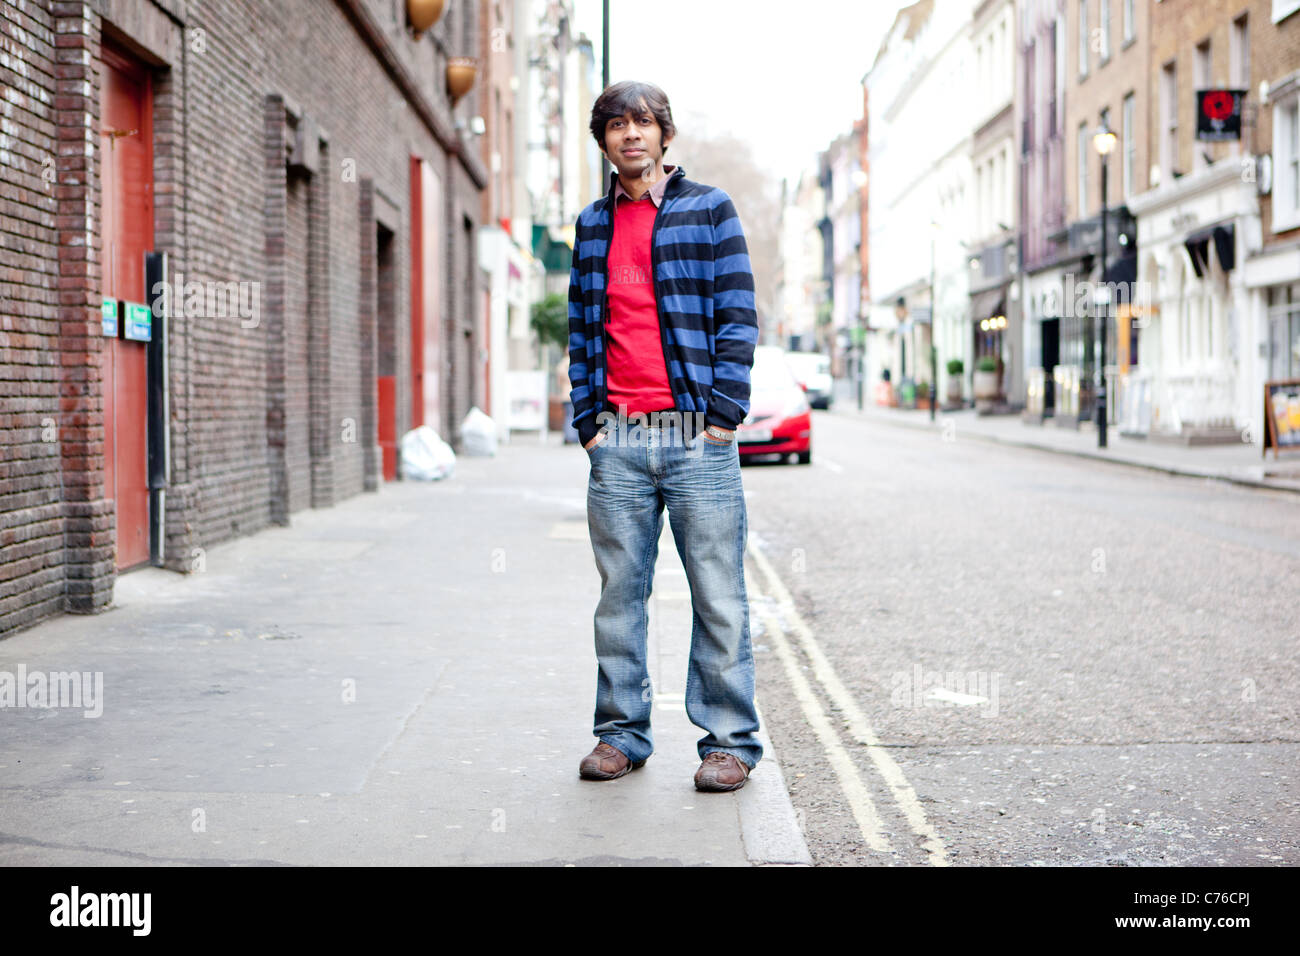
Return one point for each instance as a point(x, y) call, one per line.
point(704, 290)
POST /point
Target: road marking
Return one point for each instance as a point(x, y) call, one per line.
point(860, 803)
point(952, 697)
point(858, 727)
point(833, 466)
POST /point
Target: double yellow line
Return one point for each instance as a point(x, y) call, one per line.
point(855, 723)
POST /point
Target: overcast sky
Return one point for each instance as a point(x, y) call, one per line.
point(783, 75)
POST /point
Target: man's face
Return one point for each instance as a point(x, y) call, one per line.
point(633, 142)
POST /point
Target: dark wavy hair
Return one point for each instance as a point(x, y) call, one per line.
point(631, 96)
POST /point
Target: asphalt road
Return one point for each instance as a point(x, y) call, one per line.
point(1024, 658)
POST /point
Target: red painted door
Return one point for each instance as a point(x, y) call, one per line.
point(126, 180)
point(426, 291)
point(387, 425)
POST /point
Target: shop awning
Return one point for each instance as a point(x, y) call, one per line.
point(556, 257)
point(1123, 273)
point(986, 304)
point(1198, 247)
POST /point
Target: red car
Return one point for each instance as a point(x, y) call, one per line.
point(779, 420)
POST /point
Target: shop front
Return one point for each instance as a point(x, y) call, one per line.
point(1043, 299)
point(1195, 340)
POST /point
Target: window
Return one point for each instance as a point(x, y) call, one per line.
point(1286, 168)
point(1201, 81)
point(1030, 88)
point(1005, 61)
point(1083, 169)
point(1128, 142)
point(1104, 46)
point(1083, 38)
point(1169, 120)
point(995, 213)
point(1239, 54)
point(1004, 188)
point(1284, 331)
point(1130, 21)
point(1050, 97)
point(1058, 64)
point(1201, 66)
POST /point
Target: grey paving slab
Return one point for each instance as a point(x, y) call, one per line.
point(405, 678)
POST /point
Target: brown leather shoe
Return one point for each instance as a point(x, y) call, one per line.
point(606, 763)
point(721, 772)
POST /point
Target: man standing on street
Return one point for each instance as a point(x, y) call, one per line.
point(662, 329)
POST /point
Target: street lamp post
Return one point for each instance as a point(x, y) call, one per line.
point(606, 166)
point(1104, 141)
point(860, 352)
point(934, 325)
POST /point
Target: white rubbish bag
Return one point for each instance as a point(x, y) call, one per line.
point(478, 433)
point(425, 456)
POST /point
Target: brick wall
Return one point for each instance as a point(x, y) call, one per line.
point(1107, 82)
point(1178, 27)
point(31, 370)
point(1275, 53)
point(265, 418)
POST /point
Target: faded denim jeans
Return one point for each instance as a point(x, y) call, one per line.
point(635, 472)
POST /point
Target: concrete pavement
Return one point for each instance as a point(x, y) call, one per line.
point(406, 678)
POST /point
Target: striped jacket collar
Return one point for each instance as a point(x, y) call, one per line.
point(678, 173)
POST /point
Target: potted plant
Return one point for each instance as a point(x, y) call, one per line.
point(956, 396)
point(906, 393)
point(986, 383)
point(922, 394)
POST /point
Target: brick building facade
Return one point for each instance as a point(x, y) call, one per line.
point(1108, 50)
point(1272, 272)
point(304, 169)
point(1209, 247)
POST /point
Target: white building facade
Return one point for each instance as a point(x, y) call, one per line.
point(1194, 233)
point(920, 120)
point(802, 290)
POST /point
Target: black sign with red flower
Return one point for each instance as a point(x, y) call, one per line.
point(1218, 114)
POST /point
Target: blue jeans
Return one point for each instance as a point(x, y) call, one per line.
point(635, 472)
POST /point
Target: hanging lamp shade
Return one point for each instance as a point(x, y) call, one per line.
point(460, 76)
point(422, 14)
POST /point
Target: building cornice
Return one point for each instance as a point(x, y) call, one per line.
point(1283, 88)
point(1187, 187)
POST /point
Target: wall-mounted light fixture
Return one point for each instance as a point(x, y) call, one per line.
point(460, 76)
point(422, 14)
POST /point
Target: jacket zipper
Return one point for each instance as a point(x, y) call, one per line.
point(604, 308)
point(654, 284)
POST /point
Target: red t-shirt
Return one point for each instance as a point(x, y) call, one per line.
point(634, 358)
